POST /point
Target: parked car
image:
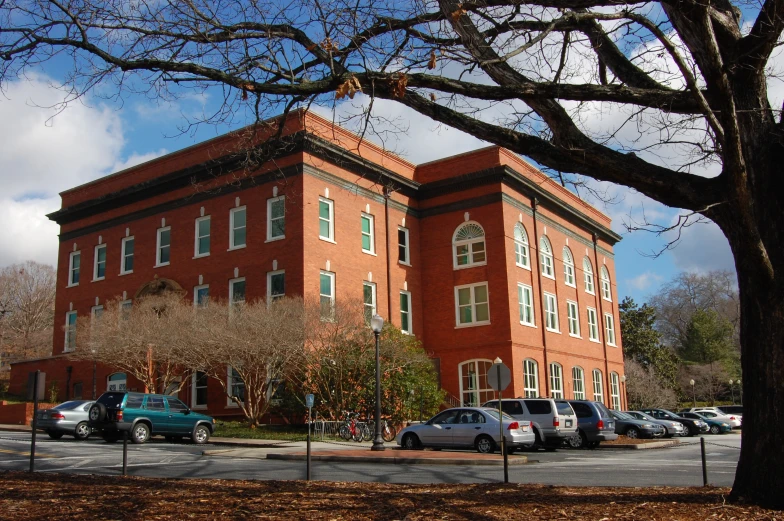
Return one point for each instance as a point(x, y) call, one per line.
point(671, 428)
point(467, 427)
point(734, 421)
point(553, 421)
point(737, 410)
point(145, 415)
point(594, 422)
point(631, 427)
point(693, 426)
point(714, 426)
point(67, 418)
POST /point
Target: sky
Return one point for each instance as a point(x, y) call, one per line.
point(47, 149)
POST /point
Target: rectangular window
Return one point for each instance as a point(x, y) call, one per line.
point(551, 312)
point(199, 393)
point(163, 246)
point(327, 294)
point(236, 387)
point(326, 219)
point(405, 312)
point(99, 266)
point(578, 384)
point(369, 298)
point(598, 388)
point(573, 314)
point(472, 304)
point(403, 253)
point(593, 325)
point(615, 391)
point(201, 247)
point(127, 256)
point(237, 290)
point(525, 304)
point(74, 263)
point(201, 294)
point(556, 381)
point(70, 331)
point(276, 218)
point(368, 233)
point(609, 329)
point(237, 226)
point(276, 285)
point(96, 312)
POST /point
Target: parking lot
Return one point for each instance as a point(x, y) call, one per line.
point(672, 466)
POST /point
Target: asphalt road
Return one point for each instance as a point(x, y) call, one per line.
point(673, 466)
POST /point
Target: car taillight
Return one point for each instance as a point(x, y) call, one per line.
point(57, 416)
point(514, 426)
point(556, 421)
point(600, 424)
point(119, 416)
point(732, 417)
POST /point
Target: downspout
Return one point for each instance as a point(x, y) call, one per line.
point(386, 239)
point(598, 290)
point(534, 205)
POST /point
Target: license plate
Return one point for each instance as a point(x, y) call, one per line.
point(568, 423)
point(609, 425)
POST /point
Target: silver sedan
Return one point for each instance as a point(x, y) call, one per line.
point(671, 428)
point(468, 427)
point(67, 418)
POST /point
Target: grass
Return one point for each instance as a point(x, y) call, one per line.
point(226, 429)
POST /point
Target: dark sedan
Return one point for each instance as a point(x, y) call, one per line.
point(67, 418)
point(714, 426)
point(634, 428)
point(693, 426)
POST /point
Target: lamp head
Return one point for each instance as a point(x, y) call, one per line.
point(376, 323)
point(691, 382)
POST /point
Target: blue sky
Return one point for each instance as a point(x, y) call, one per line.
point(46, 152)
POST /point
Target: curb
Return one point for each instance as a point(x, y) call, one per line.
point(641, 446)
point(517, 460)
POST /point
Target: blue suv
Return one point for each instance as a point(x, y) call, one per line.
point(143, 415)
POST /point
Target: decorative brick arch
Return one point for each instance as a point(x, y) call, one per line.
point(158, 287)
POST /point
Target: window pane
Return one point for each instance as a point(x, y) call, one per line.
point(366, 242)
point(403, 302)
point(465, 315)
point(326, 285)
point(129, 247)
point(239, 237)
point(164, 255)
point(204, 244)
point(278, 227)
point(277, 208)
point(239, 218)
point(365, 225)
point(323, 210)
point(480, 294)
point(165, 237)
point(77, 260)
point(464, 296)
point(238, 291)
point(204, 228)
point(277, 284)
point(482, 313)
point(324, 229)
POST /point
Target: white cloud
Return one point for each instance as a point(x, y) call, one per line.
point(644, 281)
point(137, 159)
point(702, 248)
point(26, 233)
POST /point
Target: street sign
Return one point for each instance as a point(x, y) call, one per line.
point(308, 401)
point(498, 377)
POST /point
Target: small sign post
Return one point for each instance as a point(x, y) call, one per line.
point(309, 405)
point(38, 394)
point(498, 378)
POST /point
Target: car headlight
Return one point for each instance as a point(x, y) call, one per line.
point(725, 424)
point(647, 426)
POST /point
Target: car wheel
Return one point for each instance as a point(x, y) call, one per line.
point(632, 433)
point(201, 435)
point(140, 433)
point(110, 437)
point(715, 429)
point(484, 444)
point(82, 431)
point(578, 441)
point(410, 442)
point(55, 435)
point(97, 412)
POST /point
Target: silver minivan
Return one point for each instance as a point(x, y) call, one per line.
point(553, 420)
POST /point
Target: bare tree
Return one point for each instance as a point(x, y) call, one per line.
point(669, 98)
point(141, 340)
point(27, 310)
point(644, 388)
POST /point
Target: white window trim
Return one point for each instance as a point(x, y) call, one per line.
point(330, 222)
point(196, 293)
point(472, 287)
point(594, 381)
point(596, 339)
point(331, 276)
point(270, 201)
point(122, 254)
point(581, 380)
point(589, 275)
point(615, 391)
point(232, 212)
point(543, 255)
point(534, 391)
point(194, 405)
point(553, 380)
point(606, 295)
point(73, 254)
point(372, 219)
point(158, 262)
point(410, 330)
point(477, 393)
point(407, 261)
point(96, 278)
point(569, 264)
point(557, 322)
point(609, 329)
point(68, 330)
point(94, 309)
point(231, 289)
point(196, 237)
point(469, 243)
point(374, 302)
point(230, 386)
point(572, 305)
point(270, 274)
point(525, 287)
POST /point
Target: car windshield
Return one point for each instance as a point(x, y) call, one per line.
point(494, 414)
point(564, 409)
point(618, 415)
point(640, 415)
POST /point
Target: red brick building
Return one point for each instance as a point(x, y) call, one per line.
point(479, 255)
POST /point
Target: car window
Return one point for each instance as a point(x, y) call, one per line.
point(471, 417)
point(618, 415)
point(731, 409)
point(582, 410)
point(155, 403)
point(134, 401)
point(445, 417)
point(708, 414)
point(512, 407)
point(491, 405)
point(87, 406)
point(564, 409)
point(66, 405)
point(176, 405)
point(604, 412)
point(494, 414)
point(689, 415)
point(538, 406)
point(112, 400)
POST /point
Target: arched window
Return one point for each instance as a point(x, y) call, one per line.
point(546, 257)
point(615, 391)
point(606, 289)
point(578, 382)
point(521, 247)
point(556, 381)
point(531, 378)
point(474, 389)
point(588, 275)
point(116, 382)
point(468, 245)
point(598, 388)
point(568, 262)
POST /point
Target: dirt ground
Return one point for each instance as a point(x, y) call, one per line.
point(44, 496)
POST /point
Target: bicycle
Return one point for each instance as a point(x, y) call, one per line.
point(353, 429)
point(388, 431)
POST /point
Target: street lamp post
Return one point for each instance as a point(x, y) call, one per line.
point(625, 396)
point(94, 368)
point(740, 390)
point(377, 324)
point(732, 392)
point(693, 393)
